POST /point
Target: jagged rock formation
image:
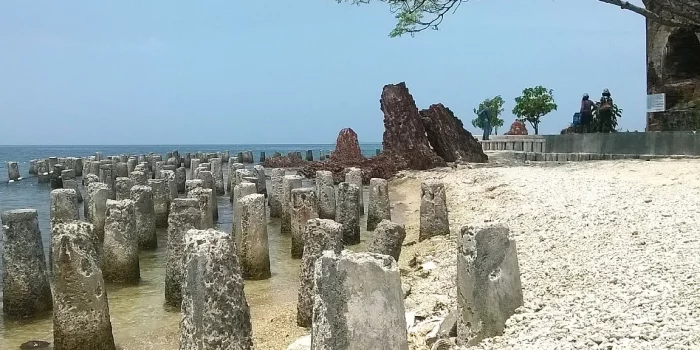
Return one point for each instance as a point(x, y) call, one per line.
point(517, 128)
point(347, 148)
point(448, 137)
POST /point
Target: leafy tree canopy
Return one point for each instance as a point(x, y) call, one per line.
point(495, 107)
point(534, 104)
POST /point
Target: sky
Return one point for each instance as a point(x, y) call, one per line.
point(284, 71)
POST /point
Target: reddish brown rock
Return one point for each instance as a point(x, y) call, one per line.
point(404, 134)
point(517, 128)
point(284, 162)
point(448, 137)
point(347, 148)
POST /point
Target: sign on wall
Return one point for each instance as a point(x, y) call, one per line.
point(656, 103)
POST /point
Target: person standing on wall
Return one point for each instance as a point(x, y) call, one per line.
point(485, 122)
point(587, 108)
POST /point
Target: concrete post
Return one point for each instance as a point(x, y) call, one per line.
point(107, 178)
point(433, 210)
point(203, 196)
point(170, 182)
point(192, 184)
point(354, 176)
point(358, 303)
point(26, 290)
point(251, 241)
point(387, 239)
point(64, 206)
point(139, 178)
point(131, 164)
point(80, 307)
point(194, 164)
point(303, 207)
point(348, 212)
point(231, 179)
point(379, 207)
point(215, 313)
point(276, 192)
point(144, 217)
point(13, 171)
point(121, 170)
point(240, 191)
point(120, 250)
point(262, 181)
point(97, 195)
point(73, 185)
point(325, 191)
point(161, 202)
point(180, 179)
point(122, 187)
point(238, 176)
point(488, 283)
point(184, 216)
point(320, 235)
point(157, 168)
point(289, 182)
point(218, 174)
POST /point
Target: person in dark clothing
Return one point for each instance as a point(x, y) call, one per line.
point(486, 123)
point(605, 112)
point(587, 107)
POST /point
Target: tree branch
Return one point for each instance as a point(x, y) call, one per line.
point(625, 5)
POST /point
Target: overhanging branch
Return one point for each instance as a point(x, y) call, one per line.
point(625, 5)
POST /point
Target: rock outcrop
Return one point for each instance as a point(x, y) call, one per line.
point(347, 148)
point(517, 128)
point(448, 137)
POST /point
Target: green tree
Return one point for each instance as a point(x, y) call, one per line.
point(534, 104)
point(413, 16)
point(495, 108)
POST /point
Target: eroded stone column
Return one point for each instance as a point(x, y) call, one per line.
point(80, 307)
point(122, 187)
point(387, 239)
point(180, 179)
point(107, 178)
point(204, 195)
point(238, 177)
point(276, 192)
point(26, 290)
point(184, 216)
point(131, 164)
point(218, 174)
point(87, 180)
point(139, 178)
point(97, 195)
point(304, 207)
point(192, 184)
point(358, 303)
point(13, 171)
point(488, 282)
point(251, 240)
point(433, 210)
point(161, 201)
point(320, 235)
point(262, 181)
point(348, 212)
point(325, 191)
point(64, 206)
point(289, 182)
point(73, 185)
point(231, 180)
point(240, 191)
point(120, 250)
point(194, 164)
point(379, 207)
point(208, 179)
point(144, 217)
point(215, 313)
point(121, 170)
point(354, 176)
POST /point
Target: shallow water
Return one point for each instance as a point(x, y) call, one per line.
point(138, 313)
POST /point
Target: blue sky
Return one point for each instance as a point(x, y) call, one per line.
point(193, 72)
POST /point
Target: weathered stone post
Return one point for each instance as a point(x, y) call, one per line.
point(289, 182)
point(26, 291)
point(218, 174)
point(120, 252)
point(180, 179)
point(251, 241)
point(358, 303)
point(320, 235)
point(169, 177)
point(379, 207)
point(55, 177)
point(433, 210)
point(13, 171)
point(387, 239)
point(276, 193)
point(238, 176)
point(131, 164)
point(325, 191)
point(139, 178)
point(73, 185)
point(203, 196)
point(231, 179)
point(67, 174)
point(192, 184)
point(215, 312)
point(87, 180)
point(348, 212)
point(123, 187)
point(80, 307)
point(184, 216)
point(208, 179)
point(309, 155)
point(64, 206)
point(239, 191)
point(304, 207)
point(157, 168)
point(262, 181)
point(107, 178)
point(144, 217)
point(161, 201)
point(32, 167)
point(97, 195)
point(42, 172)
point(354, 176)
point(194, 164)
point(488, 282)
point(121, 170)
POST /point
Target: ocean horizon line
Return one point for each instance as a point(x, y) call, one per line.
point(185, 144)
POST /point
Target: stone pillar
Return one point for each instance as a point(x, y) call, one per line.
point(131, 164)
point(95, 168)
point(204, 195)
point(32, 167)
point(208, 179)
point(289, 182)
point(215, 312)
point(55, 177)
point(262, 157)
point(275, 200)
point(107, 177)
point(157, 168)
point(433, 210)
point(488, 283)
point(231, 179)
point(73, 185)
point(387, 239)
point(13, 171)
point(251, 240)
point(325, 191)
point(240, 191)
point(303, 207)
point(144, 217)
point(52, 161)
point(80, 307)
point(180, 179)
point(354, 176)
point(87, 180)
point(122, 187)
point(184, 216)
point(358, 303)
point(379, 207)
point(121, 170)
point(170, 182)
point(64, 206)
point(139, 178)
point(68, 174)
point(161, 202)
point(238, 176)
point(218, 174)
point(26, 291)
point(262, 181)
point(192, 184)
point(194, 164)
point(120, 250)
point(348, 212)
point(97, 195)
point(310, 155)
point(320, 235)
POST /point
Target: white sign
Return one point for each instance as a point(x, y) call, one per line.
point(656, 103)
